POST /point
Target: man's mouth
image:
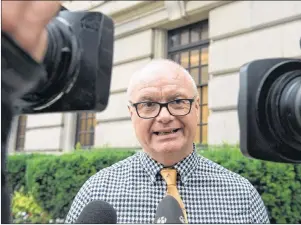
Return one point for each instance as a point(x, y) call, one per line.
point(167, 132)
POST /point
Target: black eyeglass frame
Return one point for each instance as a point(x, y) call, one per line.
point(191, 100)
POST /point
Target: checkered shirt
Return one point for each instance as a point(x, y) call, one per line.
point(134, 187)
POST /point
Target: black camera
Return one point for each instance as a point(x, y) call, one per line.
point(75, 75)
point(269, 109)
point(78, 64)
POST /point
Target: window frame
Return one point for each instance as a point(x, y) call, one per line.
point(83, 131)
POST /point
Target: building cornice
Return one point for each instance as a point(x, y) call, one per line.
point(136, 16)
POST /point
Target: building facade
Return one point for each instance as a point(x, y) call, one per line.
point(212, 39)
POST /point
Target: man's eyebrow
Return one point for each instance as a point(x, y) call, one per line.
point(145, 98)
point(176, 95)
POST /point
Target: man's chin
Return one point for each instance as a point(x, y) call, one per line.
point(167, 148)
point(168, 155)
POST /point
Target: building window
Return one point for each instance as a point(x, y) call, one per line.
point(188, 46)
point(21, 131)
point(85, 129)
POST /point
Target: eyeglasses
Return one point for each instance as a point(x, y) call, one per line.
point(178, 107)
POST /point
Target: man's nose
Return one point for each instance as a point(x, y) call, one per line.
point(164, 116)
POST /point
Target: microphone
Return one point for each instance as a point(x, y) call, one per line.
point(169, 211)
point(97, 212)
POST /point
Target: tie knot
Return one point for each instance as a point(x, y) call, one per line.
point(169, 175)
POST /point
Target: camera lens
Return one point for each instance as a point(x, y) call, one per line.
point(279, 108)
point(290, 107)
point(282, 110)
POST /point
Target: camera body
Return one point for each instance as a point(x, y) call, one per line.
point(78, 63)
point(269, 110)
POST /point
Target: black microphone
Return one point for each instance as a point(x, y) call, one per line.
point(169, 211)
point(97, 212)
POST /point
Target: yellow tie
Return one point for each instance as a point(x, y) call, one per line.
point(170, 177)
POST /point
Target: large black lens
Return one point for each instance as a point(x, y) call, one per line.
point(290, 108)
point(279, 108)
point(282, 110)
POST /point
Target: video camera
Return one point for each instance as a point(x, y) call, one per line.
point(78, 65)
point(75, 75)
point(269, 109)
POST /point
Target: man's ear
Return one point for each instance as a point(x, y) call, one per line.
point(130, 111)
point(197, 107)
point(197, 103)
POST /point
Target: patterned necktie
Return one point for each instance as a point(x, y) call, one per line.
point(170, 177)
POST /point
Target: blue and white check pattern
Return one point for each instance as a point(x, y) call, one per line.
point(134, 187)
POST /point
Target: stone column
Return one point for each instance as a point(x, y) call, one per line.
point(68, 132)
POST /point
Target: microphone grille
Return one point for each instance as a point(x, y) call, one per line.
point(98, 212)
point(169, 211)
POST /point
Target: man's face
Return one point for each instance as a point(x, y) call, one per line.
point(163, 86)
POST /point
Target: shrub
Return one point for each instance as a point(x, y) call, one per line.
point(54, 182)
point(16, 167)
point(26, 210)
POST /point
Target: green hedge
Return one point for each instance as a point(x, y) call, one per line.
point(16, 170)
point(54, 181)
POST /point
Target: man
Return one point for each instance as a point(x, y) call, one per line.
point(164, 108)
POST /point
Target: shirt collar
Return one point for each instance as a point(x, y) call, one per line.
point(185, 167)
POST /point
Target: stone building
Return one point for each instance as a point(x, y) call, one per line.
point(212, 39)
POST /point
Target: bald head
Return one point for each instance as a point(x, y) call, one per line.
point(158, 69)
